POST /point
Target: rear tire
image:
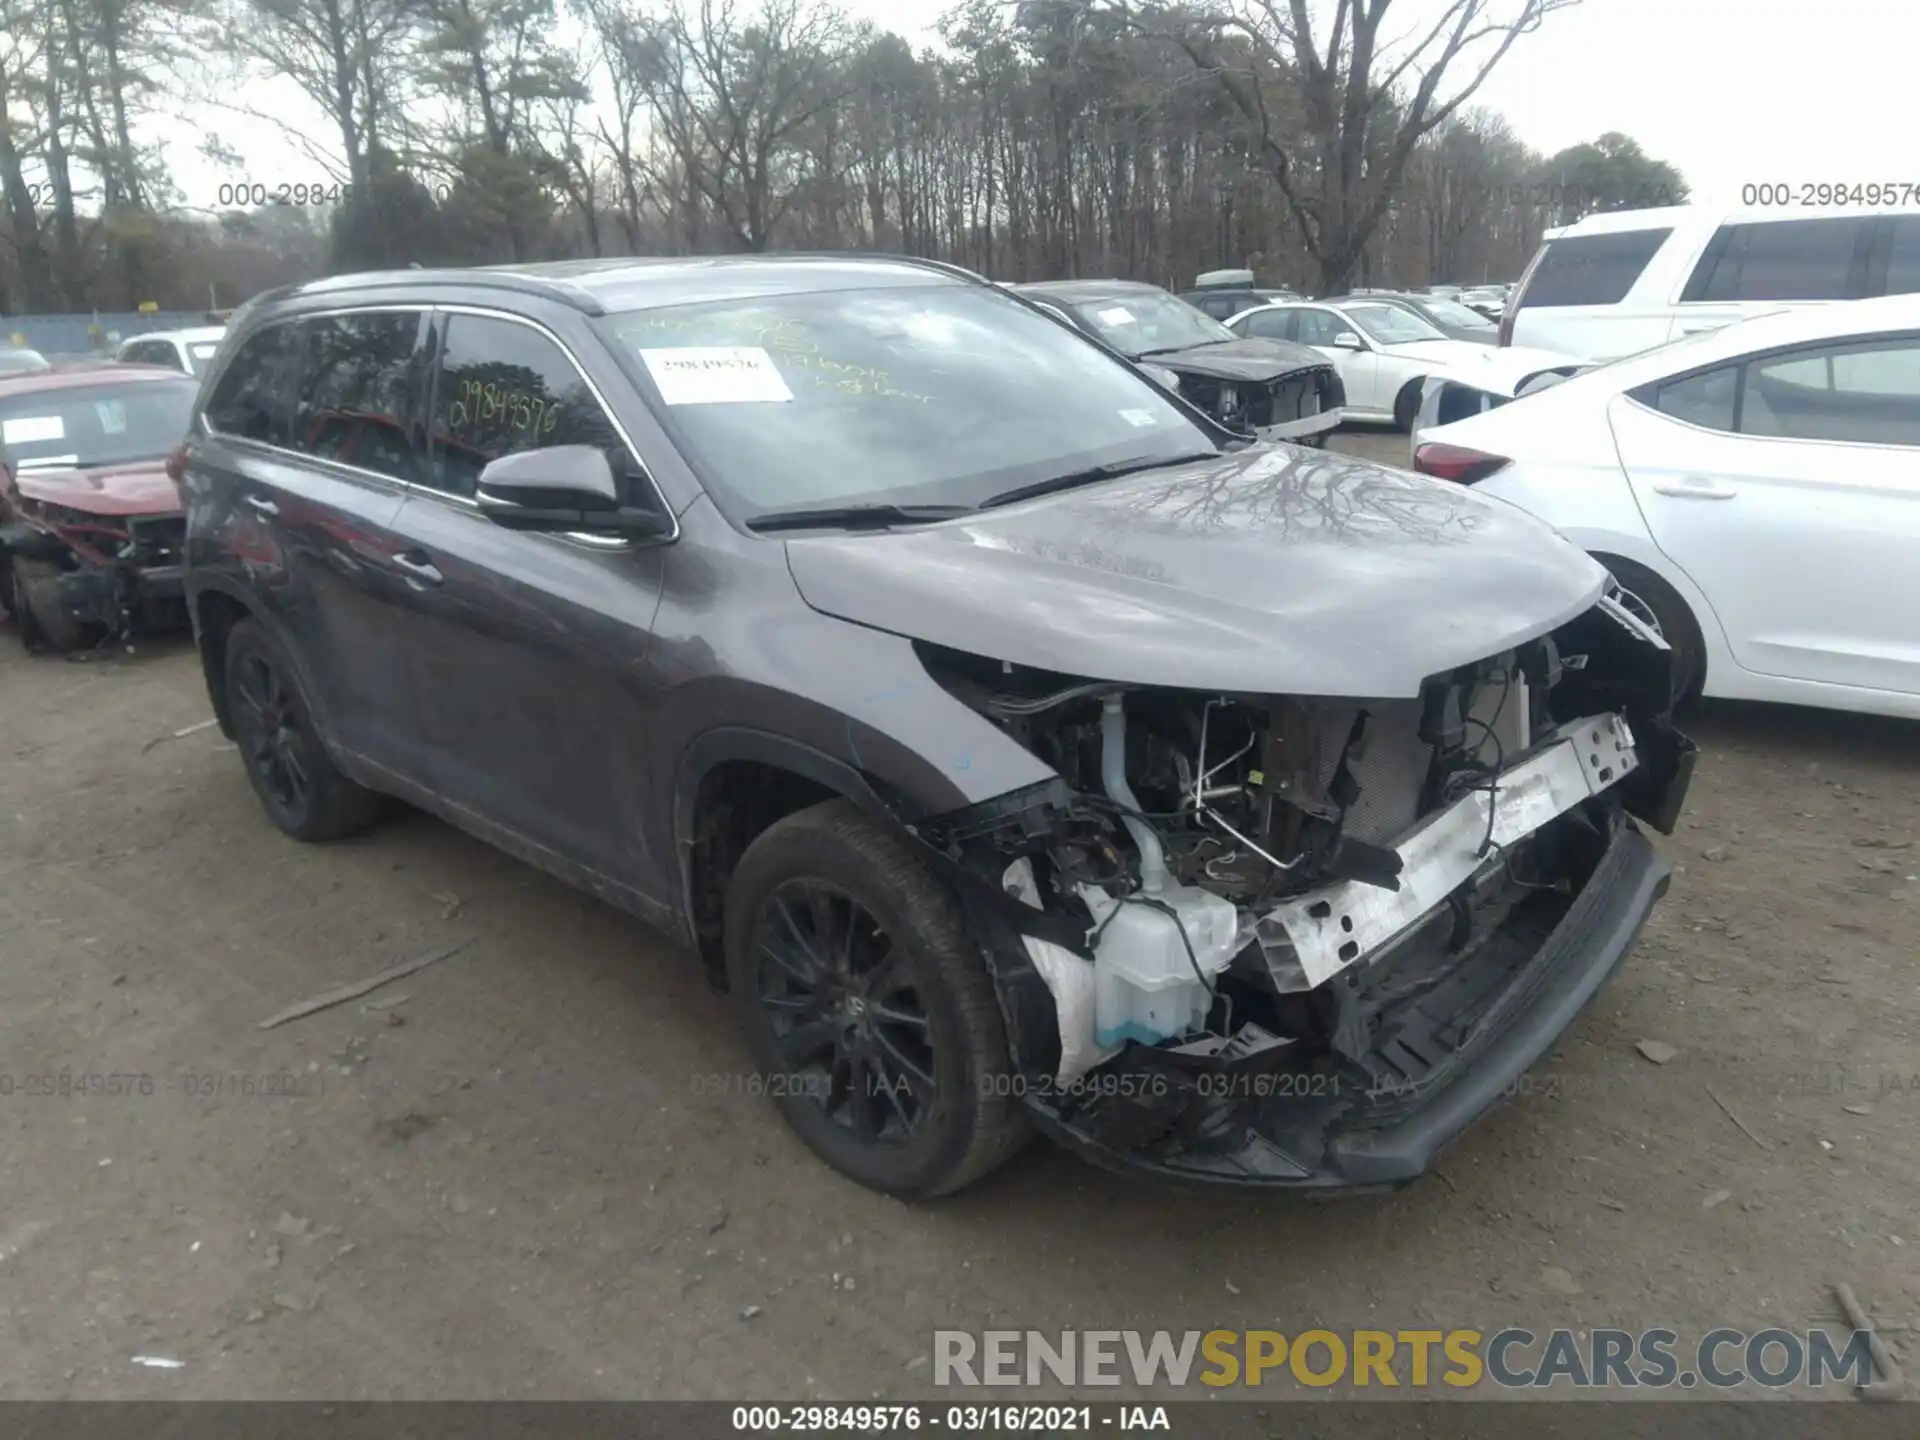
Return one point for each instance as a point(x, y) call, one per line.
point(1673, 618)
point(43, 621)
point(869, 1014)
point(300, 788)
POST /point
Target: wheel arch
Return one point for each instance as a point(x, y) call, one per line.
point(731, 784)
point(1408, 397)
point(215, 608)
point(1718, 666)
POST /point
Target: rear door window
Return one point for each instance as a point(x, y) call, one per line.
point(503, 388)
point(1783, 260)
point(359, 395)
point(1269, 324)
point(257, 392)
point(1319, 327)
point(1867, 392)
point(1592, 269)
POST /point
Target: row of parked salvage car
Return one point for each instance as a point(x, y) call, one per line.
point(1023, 744)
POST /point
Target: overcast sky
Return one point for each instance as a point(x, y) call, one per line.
point(1730, 91)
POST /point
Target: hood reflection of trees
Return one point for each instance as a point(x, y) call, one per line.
point(1302, 495)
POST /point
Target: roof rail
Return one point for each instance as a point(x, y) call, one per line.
point(944, 267)
point(518, 281)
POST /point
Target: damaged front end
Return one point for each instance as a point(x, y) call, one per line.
point(108, 575)
point(1302, 405)
point(1298, 941)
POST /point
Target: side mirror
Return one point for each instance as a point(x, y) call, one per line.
point(564, 487)
point(1347, 340)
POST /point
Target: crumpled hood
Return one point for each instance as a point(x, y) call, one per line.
point(1274, 570)
point(1250, 360)
point(138, 488)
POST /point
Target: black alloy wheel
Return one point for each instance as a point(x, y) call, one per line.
point(277, 749)
point(847, 1019)
point(870, 1016)
point(300, 788)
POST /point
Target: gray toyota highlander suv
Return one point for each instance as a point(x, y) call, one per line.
point(1021, 749)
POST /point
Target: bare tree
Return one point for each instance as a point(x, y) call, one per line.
point(343, 54)
point(733, 94)
point(1335, 104)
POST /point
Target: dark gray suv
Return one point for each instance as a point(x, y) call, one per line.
point(1022, 749)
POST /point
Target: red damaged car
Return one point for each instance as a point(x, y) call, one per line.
point(90, 522)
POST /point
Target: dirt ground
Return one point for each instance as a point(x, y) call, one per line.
point(538, 1174)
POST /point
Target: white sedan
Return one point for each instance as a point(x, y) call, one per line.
point(1756, 487)
point(1385, 354)
point(188, 350)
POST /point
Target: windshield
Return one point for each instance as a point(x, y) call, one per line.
point(913, 395)
point(1138, 324)
point(1451, 312)
point(94, 424)
point(1390, 325)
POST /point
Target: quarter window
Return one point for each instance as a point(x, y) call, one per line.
point(505, 388)
point(255, 397)
point(1781, 260)
point(1706, 399)
point(357, 404)
point(1592, 269)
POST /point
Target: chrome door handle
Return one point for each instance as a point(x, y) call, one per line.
point(263, 504)
point(1694, 490)
point(415, 565)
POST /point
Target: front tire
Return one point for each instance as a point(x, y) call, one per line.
point(867, 1010)
point(44, 623)
point(300, 788)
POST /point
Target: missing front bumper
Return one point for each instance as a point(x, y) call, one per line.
point(1437, 1059)
point(1296, 431)
point(1310, 939)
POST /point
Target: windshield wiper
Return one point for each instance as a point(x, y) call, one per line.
point(855, 517)
point(1089, 476)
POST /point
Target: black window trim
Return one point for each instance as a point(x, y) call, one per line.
point(1643, 393)
point(297, 321)
point(349, 468)
point(434, 311)
point(597, 542)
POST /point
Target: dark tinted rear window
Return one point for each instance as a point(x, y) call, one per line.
point(357, 400)
point(257, 392)
point(1782, 260)
point(1592, 269)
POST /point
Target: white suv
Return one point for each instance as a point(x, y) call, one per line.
point(1617, 284)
